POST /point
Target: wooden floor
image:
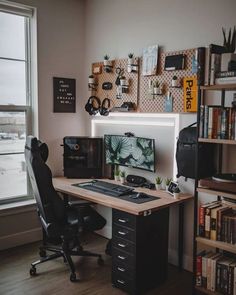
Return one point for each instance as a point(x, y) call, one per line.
point(53, 276)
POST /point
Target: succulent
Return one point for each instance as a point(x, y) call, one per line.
point(106, 57)
point(159, 180)
point(174, 78)
point(91, 76)
point(229, 43)
point(130, 55)
point(168, 181)
point(156, 84)
point(122, 173)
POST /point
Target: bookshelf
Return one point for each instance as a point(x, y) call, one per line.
point(215, 245)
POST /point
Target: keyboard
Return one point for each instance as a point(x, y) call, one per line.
point(106, 188)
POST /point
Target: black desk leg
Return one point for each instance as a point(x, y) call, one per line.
point(181, 235)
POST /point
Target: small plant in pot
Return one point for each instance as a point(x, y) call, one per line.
point(107, 63)
point(230, 46)
point(122, 176)
point(158, 182)
point(130, 59)
point(176, 192)
point(167, 182)
point(156, 87)
point(122, 81)
point(116, 173)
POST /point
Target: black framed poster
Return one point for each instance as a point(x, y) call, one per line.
point(63, 95)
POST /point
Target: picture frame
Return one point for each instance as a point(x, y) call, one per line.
point(150, 60)
point(172, 186)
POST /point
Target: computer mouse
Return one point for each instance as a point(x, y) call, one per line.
point(142, 196)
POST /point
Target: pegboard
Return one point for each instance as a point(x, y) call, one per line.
point(155, 104)
point(132, 77)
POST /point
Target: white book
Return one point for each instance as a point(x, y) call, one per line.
point(225, 80)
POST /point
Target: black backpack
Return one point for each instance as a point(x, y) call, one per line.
point(186, 155)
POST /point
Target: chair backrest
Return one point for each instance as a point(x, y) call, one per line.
point(50, 206)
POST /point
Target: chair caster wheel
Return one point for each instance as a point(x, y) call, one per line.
point(73, 277)
point(100, 261)
point(42, 253)
point(32, 271)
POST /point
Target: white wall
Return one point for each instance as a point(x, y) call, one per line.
point(60, 46)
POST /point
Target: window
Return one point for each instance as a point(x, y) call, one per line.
point(15, 99)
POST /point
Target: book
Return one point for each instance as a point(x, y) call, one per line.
point(205, 129)
point(212, 48)
point(214, 222)
point(215, 66)
point(214, 260)
point(204, 268)
point(201, 126)
point(201, 219)
point(220, 214)
point(208, 219)
point(199, 268)
point(225, 74)
point(210, 121)
point(225, 80)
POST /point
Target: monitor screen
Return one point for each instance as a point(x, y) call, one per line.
point(136, 152)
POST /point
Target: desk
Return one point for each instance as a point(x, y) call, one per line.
point(139, 234)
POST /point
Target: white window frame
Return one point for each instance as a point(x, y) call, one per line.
point(31, 107)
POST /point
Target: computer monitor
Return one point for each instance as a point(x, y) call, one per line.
point(135, 152)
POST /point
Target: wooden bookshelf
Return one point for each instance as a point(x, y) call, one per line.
point(221, 141)
point(227, 87)
point(217, 244)
point(216, 192)
point(205, 291)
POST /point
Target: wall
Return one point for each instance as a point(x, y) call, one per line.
point(119, 27)
point(60, 46)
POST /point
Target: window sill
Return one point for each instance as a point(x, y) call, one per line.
point(17, 207)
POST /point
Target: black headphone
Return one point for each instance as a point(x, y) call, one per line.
point(104, 110)
point(91, 107)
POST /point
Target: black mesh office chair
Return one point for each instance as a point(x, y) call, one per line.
point(60, 221)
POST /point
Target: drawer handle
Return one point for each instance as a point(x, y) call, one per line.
point(122, 220)
point(122, 233)
point(121, 269)
point(121, 257)
point(121, 282)
point(121, 245)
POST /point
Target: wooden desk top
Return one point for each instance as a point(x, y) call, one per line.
point(64, 185)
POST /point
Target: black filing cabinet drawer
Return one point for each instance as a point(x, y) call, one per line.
point(123, 245)
point(124, 283)
point(124, 219)
point(123, 257)
point(123, 232)
point(122, 269)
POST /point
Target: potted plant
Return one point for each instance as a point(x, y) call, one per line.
point(122, 81)
point(167, 182)
point(107, 63)
point(158, 182)
point(230, 45)
point(156, 87)
point(117, 173)
point(176, 192)
point(174, 81)
point(122, 177)
point(130, 59)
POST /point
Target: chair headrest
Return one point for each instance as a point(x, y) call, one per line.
point(35, 145)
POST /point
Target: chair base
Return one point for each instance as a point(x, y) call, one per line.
point(65, 253)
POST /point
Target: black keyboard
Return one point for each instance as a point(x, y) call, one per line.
point(106, 188)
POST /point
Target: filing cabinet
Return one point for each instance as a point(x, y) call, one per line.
point(139, 250)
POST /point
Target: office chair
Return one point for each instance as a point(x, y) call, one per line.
point(61, 221)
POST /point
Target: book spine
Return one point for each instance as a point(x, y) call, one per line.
point(199, 271)
point(219, 123)
point(225, 74)
point(224, 279)
point(210, 122)
point(200, 64)
point(209, 273)
point(213, 229)
point(215, 66)
point(218, 229)
point(213, 274)
point(207, 223)
point(230, 282)
point(204, 272)
point(223, 124)
point(205, 121)
point(218, 276)
point(234, 283)
point(215, 122)
point(207, 66)
point(230, 123)
point(201, 126)
point(201, 224)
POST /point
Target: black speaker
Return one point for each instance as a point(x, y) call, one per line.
point(135, 180)
point(82, 157)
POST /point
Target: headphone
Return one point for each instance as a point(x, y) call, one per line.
point(93, 105)
point(104, 110)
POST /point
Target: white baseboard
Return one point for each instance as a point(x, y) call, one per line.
point(20, 238)
point(187, 260)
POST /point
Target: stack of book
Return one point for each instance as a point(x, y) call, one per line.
point(216, 272)
point(217, 122)
point(228, 77)
point(217, 221)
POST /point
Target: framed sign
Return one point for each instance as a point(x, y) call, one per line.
point(63, 95)
point(150, 59)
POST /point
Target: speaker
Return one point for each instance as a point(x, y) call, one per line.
point(82, 157)
point(135, 180)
